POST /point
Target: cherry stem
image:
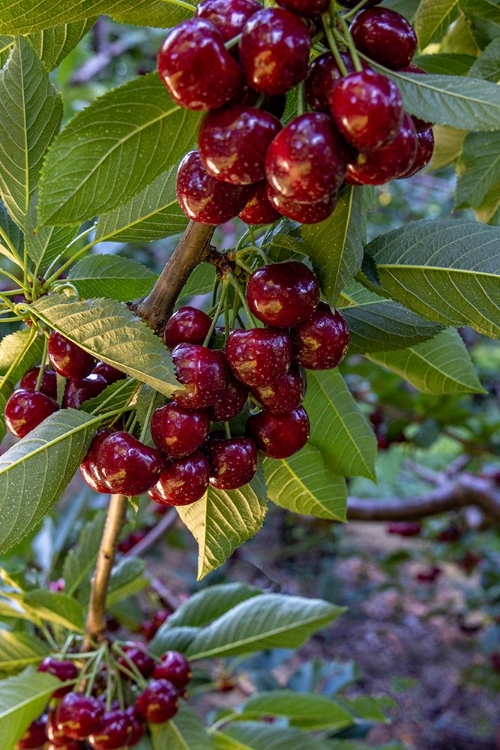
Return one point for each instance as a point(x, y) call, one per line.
point(233, 42)
point(354, 10)
point(234, 281)
point(43, 361)
point(217, 312)
point(347, 38)
point(333, 45)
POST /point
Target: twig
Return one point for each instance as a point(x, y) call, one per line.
point(154, 535)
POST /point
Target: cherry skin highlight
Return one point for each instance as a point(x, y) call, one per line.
point(228, 16)
point(182, 481)
point(233, 461)
point(177, 431)
point(307, 8)
point(279, 435)
point(126, 465)
point(283, 294)
point(26, 409)
point(88, 467)
point(385, 36)
point(48, 386)
point(230, 402)
point(259, 356)
point(63, 669)
point(174, 667)
point(286, 394)
point(203, 372)
point(67, 358)
point(304, 213)
point(258, 209)
point(158, 703)
point(188, 325)
point(78, 716)
point(322, 77)
point(79, 391)
point(320, 342)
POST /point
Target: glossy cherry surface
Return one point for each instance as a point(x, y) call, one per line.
point(115, 733)
point(320, 343)
point(322, 77)
point(233, 461)
point(283, 294)
point(48, 384)
point(67, 358)
point(307, 8)
point(388, 162)
point(136, 654)
point(203, 373)
point(425, 150)
point(205, 199)
point(88, 467)
point(286, 394)
point(79, 716)
point(196, 68)
point(182, 481)
point(279, 435)
point(128, 466)
point(159, 702)
point(353, 3)
point(258, 209)
point(174, 667)
point(230, 402)
point(305, 213)
point(63, 669)
point(108, 372)
point(233, 143)
point(259, 356)
point(228, 16)
point(188, 325)
point(79, 391)
point(384, 36)
point(177, 431)
point(26, 409)
point(34, 737)
point(274, 50)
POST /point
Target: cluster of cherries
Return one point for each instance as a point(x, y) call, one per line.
point(76, 720)
point(249, 165)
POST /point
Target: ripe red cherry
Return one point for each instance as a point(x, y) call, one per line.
point(233, 143)
point(79, 716)
point(233, 461)
point(228, 16)
point(138, 655)
point(274, 50)
point(385, 36)
point(158, 703)
point(196, 68)
point(367, 109)
point(48, 384)
point(203, 372)
point(205, 199)
point(174, 667)
point(88, 467)
point(108, 372)
point(259, 356)
point(126, 465)
point(230, 402)
point(306, 161)
point(279, 435)
point(63, 669)
point(115, 733)
point(283, 294)
point(67, 358)
point(188, 325)
point(26, 409)
point(307, 8)
point(425, 149)
point(258, 209)
point(353, 3)
point(177, 431)
point(320, 342)
point(322, 77)
point(79, 391)
point(286, 394)
point(65, 745)
point(182, 481)
point(34, 737)
point(304, 213)
point(404, 528)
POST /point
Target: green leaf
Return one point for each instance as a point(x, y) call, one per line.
point(201, 281)
point(338, 429)
point(5, 392)
point(433, 18)
point(335, 246)
point(249, 735)
point(221, 521)
point(209, 604)
point(116, 396)
point(58, 609)
point(484, 18)
point(446, 270)
point(304, 484)
point(487, 65)
point(151, 215)
point(12, 231)
point(22, 699)
point(446, 63)
point(80, 560)
point(265, 621)
point(109, 331)
point(175, 639)
point(478, 168)
point(30, 114)
point(303, 710)
point(448, 144)
point(12, 348)
point(112, 276)
point(441, 366)
point(488, 210)
point(54, 44)
point(184, 732)
point(45, 245)
point(51, 452)
point(113, 149)
point(127, 578)
point(17, 650)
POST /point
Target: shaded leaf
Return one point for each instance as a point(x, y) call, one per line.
point(303, 710)
point(16, 349)
point(210, 603)
point(11, 229)
point(478, 168)
point(45, 245)
point(487, 65)
point(111, 276)
point(446, 63)
point(433, 18)
point(488, 210)
point(23, 699)
point(17, 650)
point(81, 558)
point(249, 735)
point(448, 144)
point(127, 578)
point(53, 44)
point(200, 282)
point(184, 732)
point(56, 608)
point(116, 396)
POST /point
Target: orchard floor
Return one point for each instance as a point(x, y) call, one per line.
point(404, 635)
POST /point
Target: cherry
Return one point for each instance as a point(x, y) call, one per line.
point(188, 325)
point(233, 461)
point(230, 402)
point(131, 540)
point(258, 209)
point(174, 667)
point(79, 716)
point(322, 77)
point(320, 343)
point(63, 669)
point(274, 50)
point(425, 149)
point(34, 737)
point(306, 161)
point(451, 533)
point(286, 394)
point(136, 726)
point(385, 36)
point(158, 702)
point(283, 294)
point(88, 467)
point(79, 391)
point(259, 356)
point(495, 660)
point(203, 372)
point(177, 431)
point(108, 372)
point(149, 628)
point(53, 733)
point(26, 409)
point(205, 199)
point(48, 386)
point(353, 3)
point(67, 358)
point(138, 655)
point(307, 8)
point(429, 575)
point(304, 213)
point(233, 143)
point(196, 68)
point(228, 16)
point(279, 435)
point(126, 465)
point(404, 528)
point(115, 732)
point(65, 744)
point(367, 109)
point(182, 481)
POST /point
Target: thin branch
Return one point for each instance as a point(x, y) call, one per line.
point(154, 535)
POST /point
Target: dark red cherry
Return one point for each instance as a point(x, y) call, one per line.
point(108, 372)
point(259, 356)
point(158, 703)
point(115, 733)
point(368, 109)
point(385, 36)
point(354, 3)
point(388, 162)
point(283, 294)
point(425, 149)
point(182, 481)
point(205, 199)
point(48, 384)
point(258, 209)
point(286, 394)
point(428, 575)
point(177, 431)
point(136, 726)
point(55, 735)
point(126, 465)
point(320, 342)
point(88, 467)
point(79, 716)
point(322, 77)
point(404, 528)
point(304, 213)
point(174, 667)
point(149, 628)
point(138, 655)
point(233, 143)
point(67, 358)
point(419, 124)
point(307, 160)
point(230, 402)
point(274, 50)
point(188, 325)
point(196, 68)
point(63, 669)
point(228, 16)
point(279, 435)
point(65, 744)
point(34, 737)
point(26, 409)
point(307, 8)
point(233, 461)
point(79, 391)
point(203, 373)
